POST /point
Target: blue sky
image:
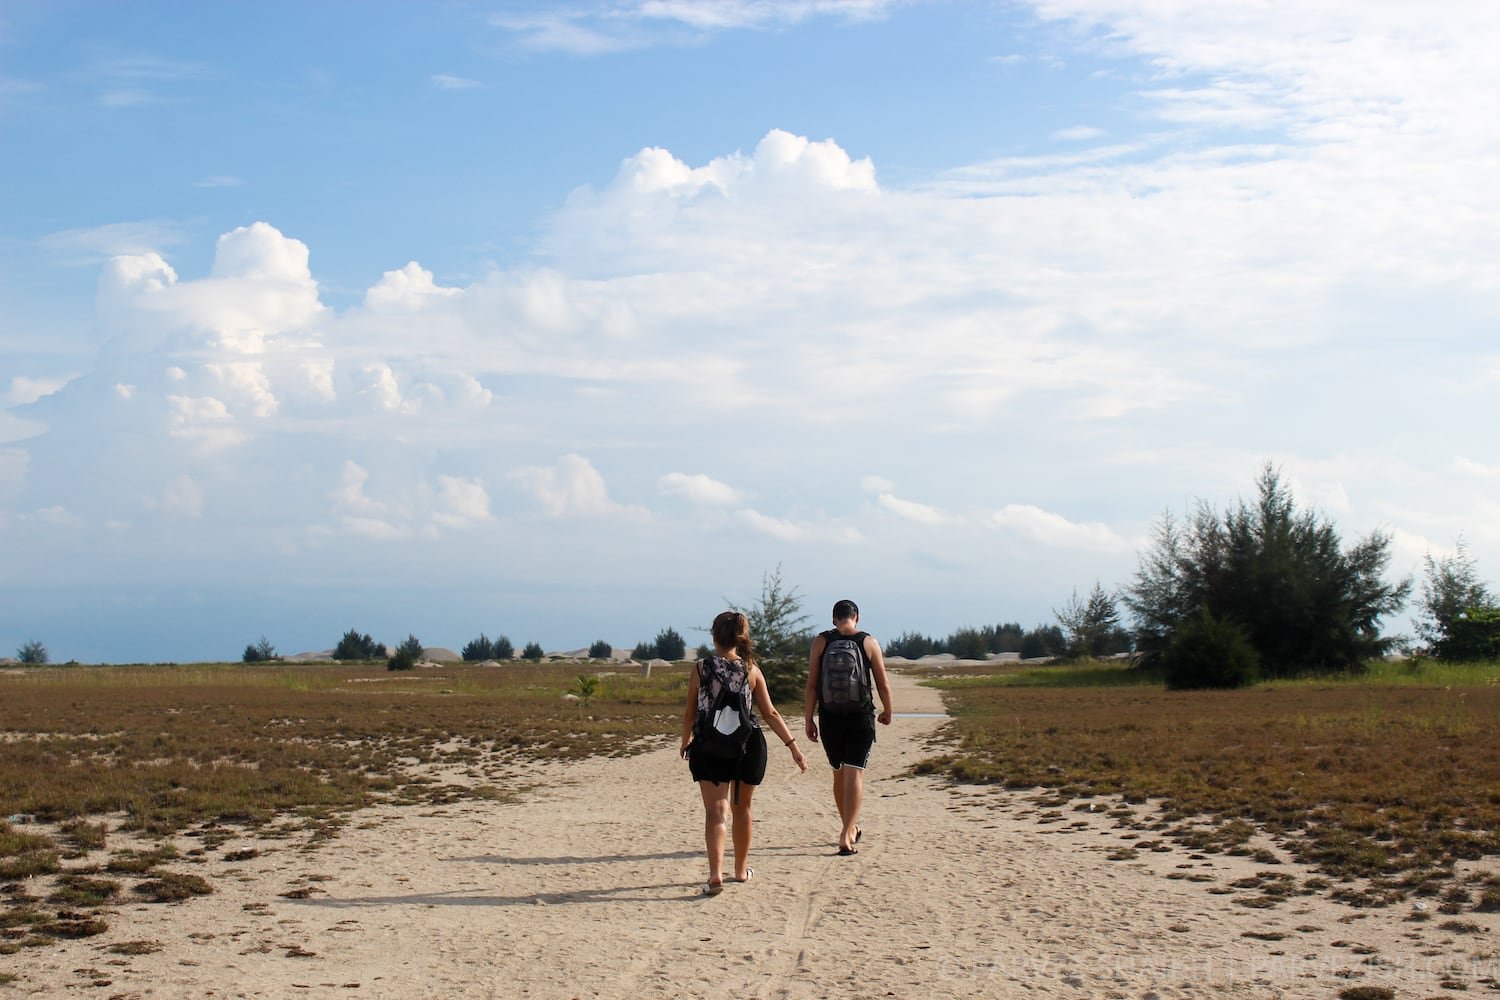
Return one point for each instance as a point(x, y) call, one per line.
point(571, 322)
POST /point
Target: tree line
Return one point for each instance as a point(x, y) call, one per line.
point(1219, 599)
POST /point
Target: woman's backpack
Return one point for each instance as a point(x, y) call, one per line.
point(724, 729)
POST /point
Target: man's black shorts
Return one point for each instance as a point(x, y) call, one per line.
point(847, 737)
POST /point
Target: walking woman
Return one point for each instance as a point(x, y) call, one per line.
point(728, 783)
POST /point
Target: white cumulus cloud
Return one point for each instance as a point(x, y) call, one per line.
point(911, 510)
point(1056, 530)
point(776, 527)
point(699, 489)
point(25, 390)
point(461, 502)
point(571, 487)
point(409, 288)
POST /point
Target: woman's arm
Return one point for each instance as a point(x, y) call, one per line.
point(773, 718)
point(689, 714)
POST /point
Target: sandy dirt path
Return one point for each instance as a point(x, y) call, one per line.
point(590, 887)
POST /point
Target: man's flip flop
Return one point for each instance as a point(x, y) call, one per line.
point(749, 874)
point(844, 852)
point(713, 888)
point(857, 834)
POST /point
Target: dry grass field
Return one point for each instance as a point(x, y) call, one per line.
point(92, 757)
point(1382, 784)
point(118, 784)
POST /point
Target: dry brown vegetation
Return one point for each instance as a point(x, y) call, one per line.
point(1381, 787)
point(209, 752)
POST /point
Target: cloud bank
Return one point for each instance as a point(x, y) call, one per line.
point(1044, 351)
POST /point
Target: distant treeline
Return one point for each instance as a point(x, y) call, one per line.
point(976, 643)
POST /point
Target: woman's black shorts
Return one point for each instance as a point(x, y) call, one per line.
point(749, 768)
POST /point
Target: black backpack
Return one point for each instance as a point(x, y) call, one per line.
point(728, 712)
point(844, 677)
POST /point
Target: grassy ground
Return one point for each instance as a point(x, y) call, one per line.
point(1381, 783)
point(210, 751)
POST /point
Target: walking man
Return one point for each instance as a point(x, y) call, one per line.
point(844, 669)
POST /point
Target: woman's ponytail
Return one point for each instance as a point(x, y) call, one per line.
point(745, 646)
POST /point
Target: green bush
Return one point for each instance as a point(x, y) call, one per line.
point(503, 649)
point(533, 651)
point(1044, 640)
point(601, 650)
point(357, 646)
point(911, 645)
point(1451, 594)
point(407, 654)
point(669, 645)
point(33, 654)
point(260, 652)
point(1473, 635)
point(786, 679)
point(1207, 652)
point(477, 649)
point(1307, 603)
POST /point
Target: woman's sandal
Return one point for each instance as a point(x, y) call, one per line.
point(713, 888)
point(749, 874)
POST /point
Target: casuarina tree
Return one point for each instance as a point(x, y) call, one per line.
point(1451, 594)
point(1305, 602)
point(781, 635)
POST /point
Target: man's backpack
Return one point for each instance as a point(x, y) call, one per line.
point(723, 731)
point(844, 678)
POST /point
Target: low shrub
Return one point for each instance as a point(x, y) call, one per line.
point(1209, 652)
point(172, 887)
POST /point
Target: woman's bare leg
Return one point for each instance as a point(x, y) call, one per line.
point(715, 826)
point(744, 826)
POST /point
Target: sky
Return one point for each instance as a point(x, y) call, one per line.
point(570, 322)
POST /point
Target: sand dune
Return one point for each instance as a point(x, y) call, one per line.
point(589, 887)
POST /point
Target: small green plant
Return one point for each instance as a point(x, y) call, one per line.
point(135, 948)
point(585, 688)
point(83, 835)
point(84, 891)
point(1367, 993)
point(173, 887)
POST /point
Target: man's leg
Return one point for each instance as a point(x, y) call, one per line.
point(849, 793)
